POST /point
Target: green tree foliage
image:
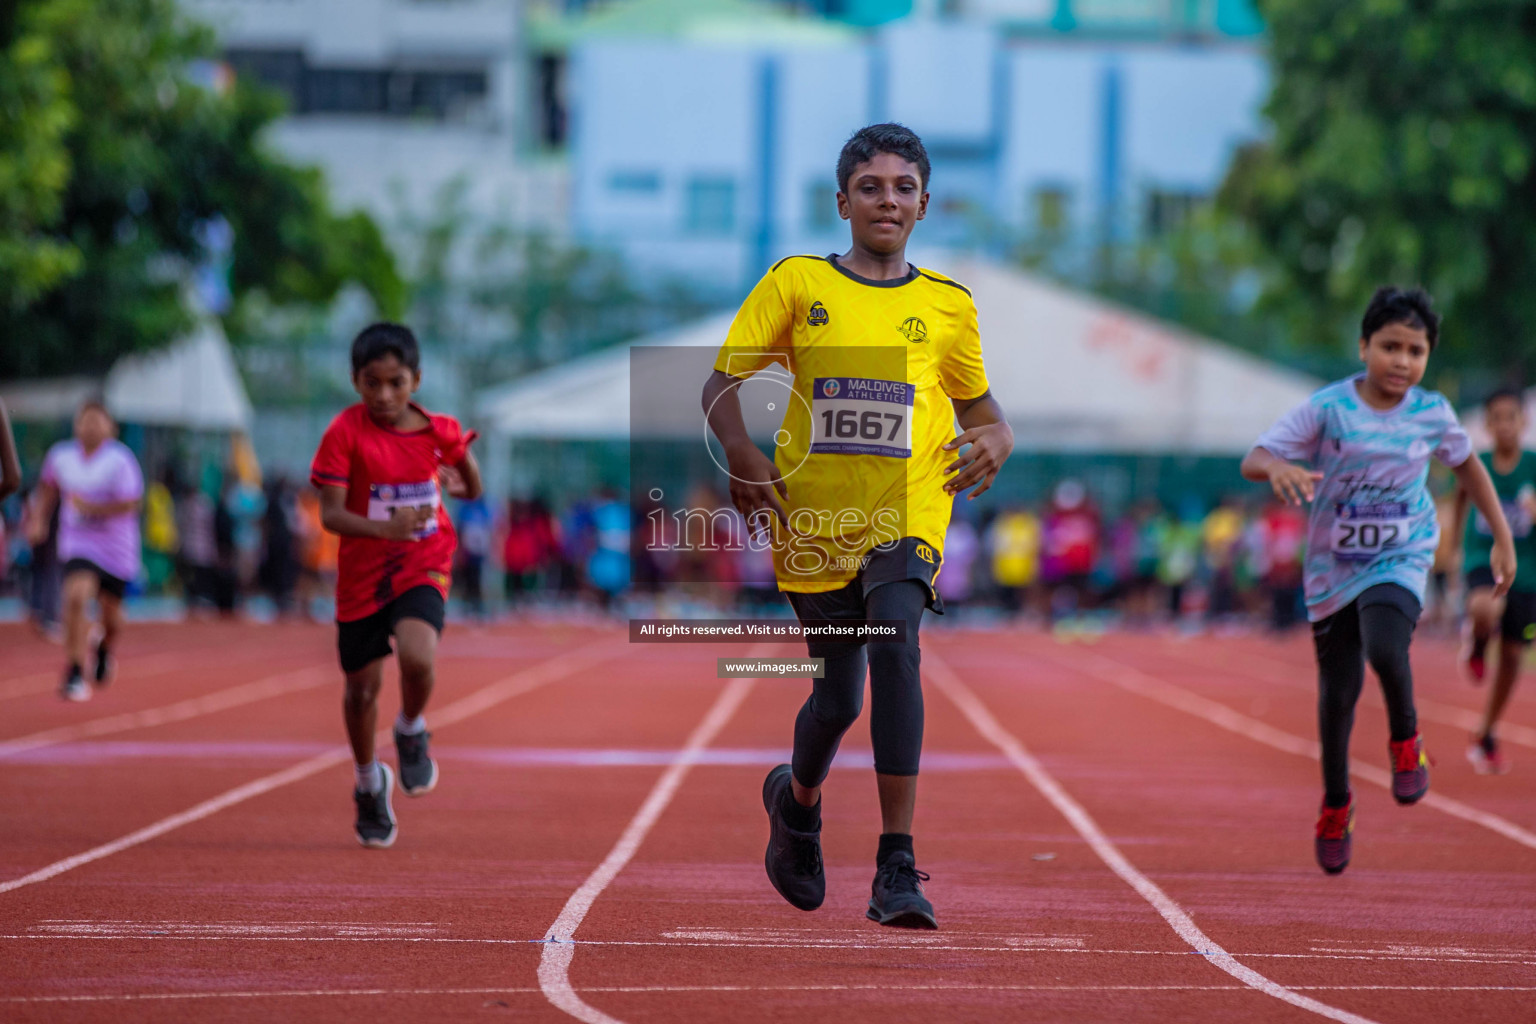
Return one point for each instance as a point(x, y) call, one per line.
point(35, 115)
point(1402, 152)
point(112, 158)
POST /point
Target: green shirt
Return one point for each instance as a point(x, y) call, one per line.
point(1478, 538)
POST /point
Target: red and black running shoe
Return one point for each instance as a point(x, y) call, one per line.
point(1335, 827)
point(1473, 656)
point(1410, 770)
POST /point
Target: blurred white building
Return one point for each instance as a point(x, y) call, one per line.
point(698, 137)
point(707, 148)
point(396, 98)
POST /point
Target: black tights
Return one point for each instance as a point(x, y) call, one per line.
point(896, 693)
point(1376, 627)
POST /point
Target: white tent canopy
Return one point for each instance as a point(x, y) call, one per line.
point(194, 383)
point(588, 398)
point(48, 400)
point(1072, 373)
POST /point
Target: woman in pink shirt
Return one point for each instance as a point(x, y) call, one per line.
point(97, 482)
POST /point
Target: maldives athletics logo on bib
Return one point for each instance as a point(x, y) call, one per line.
point(830, 387)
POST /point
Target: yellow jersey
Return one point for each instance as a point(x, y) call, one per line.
point(874, 365)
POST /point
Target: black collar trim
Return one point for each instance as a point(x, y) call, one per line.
point(895, 282)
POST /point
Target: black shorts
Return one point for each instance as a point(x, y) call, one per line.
point(1519, 622)
point(911, 559)
point(364, 641)
point(105, 581)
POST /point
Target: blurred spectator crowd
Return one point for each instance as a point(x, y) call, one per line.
point(224, 544)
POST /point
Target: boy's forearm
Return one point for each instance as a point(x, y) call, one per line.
point(980, 413)
point(43, 499)
point(1257, 464)
point(723, 408)
point(1478, 486)
point(469, 472)
point(1459, 513)
point(350, 524)
point(10, 464)
point(109, 509)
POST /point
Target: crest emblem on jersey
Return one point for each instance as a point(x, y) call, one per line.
point(925, 553)
point(914, 330)
point(830, 387)
point(818, 315)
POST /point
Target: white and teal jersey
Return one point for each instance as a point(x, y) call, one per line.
point(1372, 519)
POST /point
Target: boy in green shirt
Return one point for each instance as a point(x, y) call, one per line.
point(1514, 615)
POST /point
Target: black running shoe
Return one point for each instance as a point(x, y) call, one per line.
point(376, 814)
point(896, 898)
point(73, 687)
point(793, 859)
point(106, 665)
point(418, 772)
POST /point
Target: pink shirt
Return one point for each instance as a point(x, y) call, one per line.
point(109, 474)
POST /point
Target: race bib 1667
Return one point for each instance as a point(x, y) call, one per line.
point(861, 416)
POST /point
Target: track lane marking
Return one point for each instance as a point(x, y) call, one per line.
point(1133, 680)
point(1480, 960)
point(180, 711)
point(23, 686)
point(702, 989)
point(1284, 674)
point(559, 948)
point(154, 664)
point(488, 696)
point(992, 730)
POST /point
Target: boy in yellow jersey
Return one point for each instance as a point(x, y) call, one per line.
point(886, 357)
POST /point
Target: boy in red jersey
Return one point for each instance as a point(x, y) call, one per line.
point(377, 471)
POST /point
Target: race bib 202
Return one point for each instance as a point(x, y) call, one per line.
point(1362, 532)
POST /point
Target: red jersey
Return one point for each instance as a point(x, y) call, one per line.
point(384, 469)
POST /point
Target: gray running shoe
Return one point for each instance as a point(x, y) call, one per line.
point(418, 772)
point(376, 813)
point(896, 898)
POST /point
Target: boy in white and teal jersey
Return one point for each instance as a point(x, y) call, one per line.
point(1366, 443)
point(1514, 615)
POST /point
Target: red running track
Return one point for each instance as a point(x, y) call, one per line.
point(1117, 831)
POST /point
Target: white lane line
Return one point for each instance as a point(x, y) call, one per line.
point(885, 986)
point(1486, 960)
point(136, 666)
point(480, 700)
point(22, 686)
point(989, 727)
point(559, 949)
point(1435, 711)
point(221, 700)
point(1138, 682)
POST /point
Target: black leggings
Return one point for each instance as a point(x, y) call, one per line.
point(1376, 627)
point(896, 693)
